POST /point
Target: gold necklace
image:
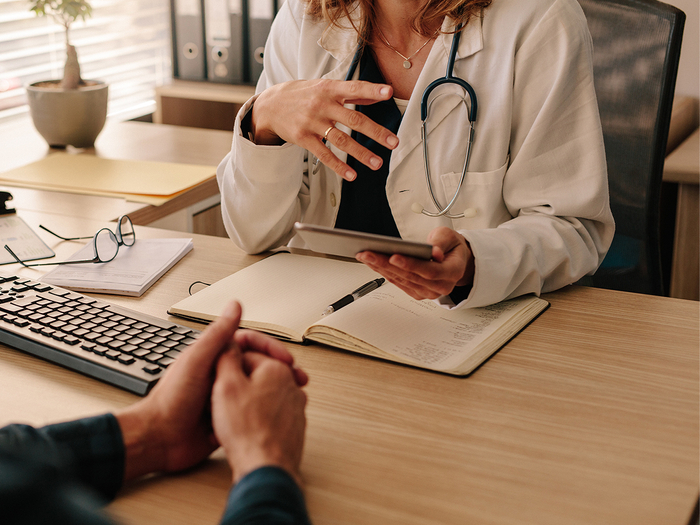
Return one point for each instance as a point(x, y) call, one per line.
point(406, 59)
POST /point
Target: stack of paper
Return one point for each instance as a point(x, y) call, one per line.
point(138, 181)
point(132, 272)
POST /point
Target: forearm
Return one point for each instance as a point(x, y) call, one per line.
point(534, 254)
point(90, 450)
point(261, 192)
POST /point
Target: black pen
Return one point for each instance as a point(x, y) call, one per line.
point(362, 290)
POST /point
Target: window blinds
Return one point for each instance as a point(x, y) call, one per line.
point(125, 43)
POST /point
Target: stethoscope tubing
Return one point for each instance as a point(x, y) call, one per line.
point(449, 78)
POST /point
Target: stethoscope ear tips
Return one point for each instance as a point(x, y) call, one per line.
point(470, 212)
point(416, 208)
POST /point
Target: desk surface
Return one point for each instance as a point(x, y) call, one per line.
point(22, 144)
point(590, 415)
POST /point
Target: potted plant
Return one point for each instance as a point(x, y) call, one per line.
point(70, 111)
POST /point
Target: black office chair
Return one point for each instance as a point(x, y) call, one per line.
point(636, 47)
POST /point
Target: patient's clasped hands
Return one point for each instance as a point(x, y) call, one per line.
point(235, 388)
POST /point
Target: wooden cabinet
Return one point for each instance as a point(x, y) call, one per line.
point(200, 104)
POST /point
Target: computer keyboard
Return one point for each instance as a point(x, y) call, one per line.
point(117, 345)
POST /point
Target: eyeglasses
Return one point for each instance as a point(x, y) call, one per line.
point(105, 243)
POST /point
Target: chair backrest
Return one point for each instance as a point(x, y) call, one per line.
point(636, 47)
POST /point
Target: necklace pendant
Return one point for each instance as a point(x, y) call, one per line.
point(407, 64)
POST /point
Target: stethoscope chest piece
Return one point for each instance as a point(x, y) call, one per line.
point(426, 103)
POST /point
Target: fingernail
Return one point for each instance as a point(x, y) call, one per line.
point(392, 141)
point(350, 175)
point(231, 310)
point(385, 91)
point(376, 162)
point(367, 258)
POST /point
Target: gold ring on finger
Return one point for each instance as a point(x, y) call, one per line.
point(325, 135)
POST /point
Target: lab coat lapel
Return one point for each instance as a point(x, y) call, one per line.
point(435, 67)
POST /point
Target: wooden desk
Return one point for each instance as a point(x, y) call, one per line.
point(590, 415)
point(682, 166)
point(195, 210)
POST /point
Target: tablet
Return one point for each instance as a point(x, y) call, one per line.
point(348, 243)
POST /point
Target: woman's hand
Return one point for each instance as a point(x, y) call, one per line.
point(452, 265)
point(303, 111)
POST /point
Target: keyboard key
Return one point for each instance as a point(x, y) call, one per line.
point(116, 344)
point(127, 348)
point(152, 369)
point(152, 357)
point(141, 352)
point(172, 353)
point(126, 359)
point(181, 330)
point(71, 340)
point(21, 323)
point(166, 361)
point(100, 350)
point(11, 308)
point(112, 354)
point(92, 336)
point(103, 340)
point(58, 335)
point(88, 346)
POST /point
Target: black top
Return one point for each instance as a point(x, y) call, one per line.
point(363, 204)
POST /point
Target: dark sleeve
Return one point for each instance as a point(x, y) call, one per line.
point(60, 473)
point(266, 496)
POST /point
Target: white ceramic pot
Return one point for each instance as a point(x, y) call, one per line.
point(68, 117)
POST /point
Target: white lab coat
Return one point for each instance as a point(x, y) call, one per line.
point(537, 175)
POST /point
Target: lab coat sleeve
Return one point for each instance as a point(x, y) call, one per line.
point(556, 185)
point(264, 188)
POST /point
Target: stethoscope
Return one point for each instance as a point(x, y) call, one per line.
point(425, 105)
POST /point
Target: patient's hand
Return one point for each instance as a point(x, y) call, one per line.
point(171, 428)
point(258, 413)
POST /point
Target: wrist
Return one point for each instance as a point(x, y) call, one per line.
point(143, 454)
point(256, 131)
point(247, 462)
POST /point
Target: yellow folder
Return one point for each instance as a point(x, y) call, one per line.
point(140, 181)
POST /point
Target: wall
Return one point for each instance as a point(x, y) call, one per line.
point(688, 82)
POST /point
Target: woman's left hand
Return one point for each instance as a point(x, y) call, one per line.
point(452, 265)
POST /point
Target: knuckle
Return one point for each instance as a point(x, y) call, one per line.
point(355, 119)
point(342, 140)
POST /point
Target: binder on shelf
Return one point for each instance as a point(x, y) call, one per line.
point(260, 15)
point(225, 33)
point(189, 61)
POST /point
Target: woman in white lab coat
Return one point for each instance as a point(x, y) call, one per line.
point(536, 197)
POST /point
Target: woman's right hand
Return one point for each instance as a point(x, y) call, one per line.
point(301, 112)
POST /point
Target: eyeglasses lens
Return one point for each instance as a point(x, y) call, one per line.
point(106, 245)
point(126, 231)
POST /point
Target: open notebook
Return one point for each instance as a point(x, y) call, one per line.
point(286, 294)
